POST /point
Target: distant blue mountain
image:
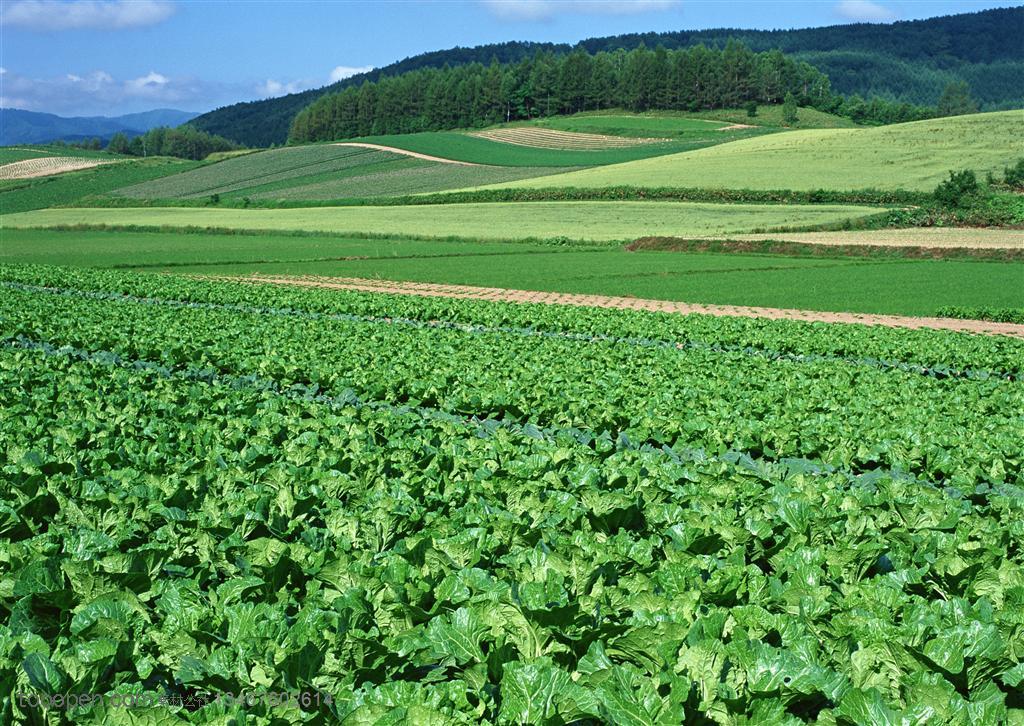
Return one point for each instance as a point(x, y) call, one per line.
point(31, 127)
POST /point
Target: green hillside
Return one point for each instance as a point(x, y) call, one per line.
point(907, 61)
point(914, 155)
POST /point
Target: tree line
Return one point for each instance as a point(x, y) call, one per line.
point(184, 142)
point(547, 84)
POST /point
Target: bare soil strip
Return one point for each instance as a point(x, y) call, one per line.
point(46, 166)
point(404, 152)
point(976, 237)
point(497, 294)
point(542, 138)
point(734, 127)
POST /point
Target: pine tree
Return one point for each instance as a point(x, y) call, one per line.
point(789, 109)
point(956, 100)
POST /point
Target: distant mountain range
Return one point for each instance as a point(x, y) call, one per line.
point(908, 61)
point(31, 127)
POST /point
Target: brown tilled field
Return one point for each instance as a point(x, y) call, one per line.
point(970, 237)
point(555, 139)
point(30, 168)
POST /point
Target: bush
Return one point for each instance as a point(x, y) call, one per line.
point(751, 109)
point(957, 190)
point(995, 315)
point(1013, 176)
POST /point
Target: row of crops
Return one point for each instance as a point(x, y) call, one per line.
point(452, 511)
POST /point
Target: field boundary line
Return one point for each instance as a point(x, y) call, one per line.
point(495, 294)
point(405, 152)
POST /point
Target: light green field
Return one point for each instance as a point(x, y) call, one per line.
point(597, 221)
point(915, 155)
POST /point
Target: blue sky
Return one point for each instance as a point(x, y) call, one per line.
point(107, 57)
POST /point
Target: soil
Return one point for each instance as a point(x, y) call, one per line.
point(495, 294)
point(404, 152)
point(46, 166)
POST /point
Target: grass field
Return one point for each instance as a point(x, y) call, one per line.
point(599, 221)
point(27, 194)
point(621, 123)
point(914, 156)
point(905, 287)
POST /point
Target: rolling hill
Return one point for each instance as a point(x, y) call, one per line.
point(915, 155)
point(31, 127)
point(907, 61)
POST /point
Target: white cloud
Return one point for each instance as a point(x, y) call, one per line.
point(2, 70)
point(527, 10)
point(340, 73)
point(151, 84)
point(76, 14)
point(98, 93)
point(864, 11)
point(271, 87)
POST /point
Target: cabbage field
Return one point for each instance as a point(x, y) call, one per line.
point(415, 510)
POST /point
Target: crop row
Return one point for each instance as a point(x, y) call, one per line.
point(853, 417)
point(258, 169)
point(180, 536)
point(528, 332)
point(937, 351)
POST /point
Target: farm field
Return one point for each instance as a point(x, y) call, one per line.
point(425, 397)
point(913, 156)
point(27, 194)
point(321, 172)
point(46, 166)
point(781, 496)
point(889, 286)
point(10, 154)
point(978, 238)
point(460, 146)
point(598, 221)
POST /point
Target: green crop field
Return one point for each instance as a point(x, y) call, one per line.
point(173, 249)
point(574, 220)
point(323, 172)
point(914, 155)
point(9, 154)
point(26, 194)
point(441, 511)
point(884, 285)
point(477, 150)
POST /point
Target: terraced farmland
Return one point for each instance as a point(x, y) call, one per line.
point(520, 513)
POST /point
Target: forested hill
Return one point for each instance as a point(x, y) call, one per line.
point(908, 61)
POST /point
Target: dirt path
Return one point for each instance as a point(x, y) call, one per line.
point(496, 294)
point(404, 152)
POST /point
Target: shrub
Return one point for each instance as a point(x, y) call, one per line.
point(1013, 176)
point(956, 190)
